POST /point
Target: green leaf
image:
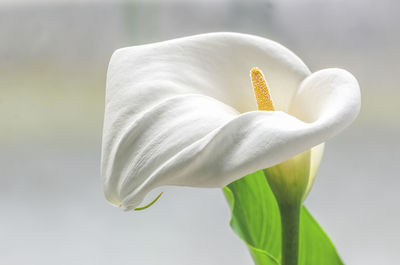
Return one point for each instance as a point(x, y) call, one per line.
point(256, 220)
point(315, 245)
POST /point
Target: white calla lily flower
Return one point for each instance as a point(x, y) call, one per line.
point(183, 112)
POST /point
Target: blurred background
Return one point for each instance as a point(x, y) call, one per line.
point(53, 62)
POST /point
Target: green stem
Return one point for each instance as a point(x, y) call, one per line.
point(290, 220)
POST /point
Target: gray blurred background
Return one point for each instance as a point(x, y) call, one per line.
point(53, 61)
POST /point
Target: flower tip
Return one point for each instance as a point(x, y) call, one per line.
point(150, 204)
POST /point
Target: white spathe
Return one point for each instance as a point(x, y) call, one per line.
point(183, 112)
